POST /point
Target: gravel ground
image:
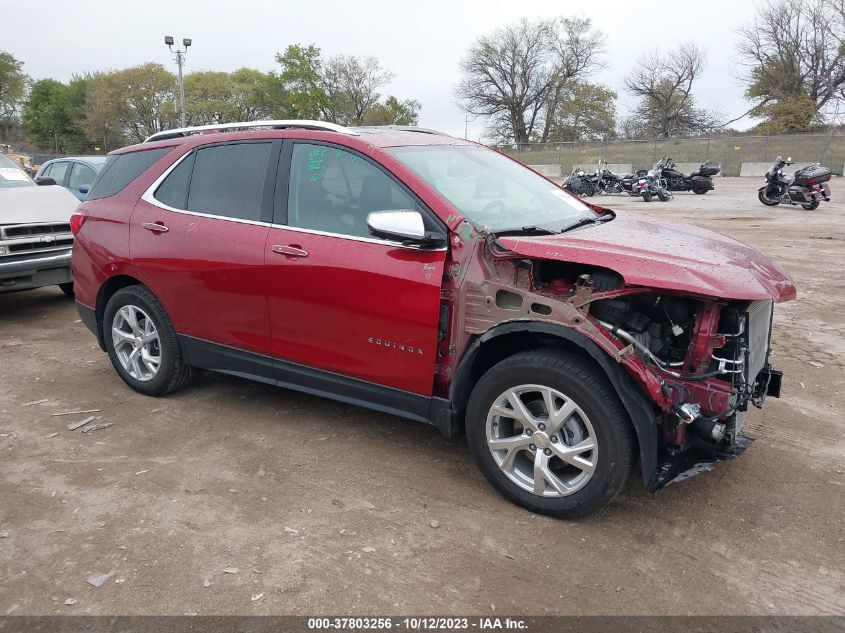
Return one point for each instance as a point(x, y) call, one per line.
point(237, 498)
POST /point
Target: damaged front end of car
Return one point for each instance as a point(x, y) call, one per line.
point(699, 359)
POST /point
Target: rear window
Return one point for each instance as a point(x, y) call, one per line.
point(122, 169)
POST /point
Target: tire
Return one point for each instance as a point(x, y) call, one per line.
point(761, 195)
point(598, 414)
point(663, 196)
point(810, 206)
point(698, 191)
point(172, 371)
point(67, 288)
point(646, 195)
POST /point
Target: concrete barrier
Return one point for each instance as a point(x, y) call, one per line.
point(549, 171)
point(758, 170)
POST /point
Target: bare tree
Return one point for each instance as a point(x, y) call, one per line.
point(518, 74)
point(794, 52)
point(351, 86)
point(507, 76)
point(664, 83)
point(577, 50)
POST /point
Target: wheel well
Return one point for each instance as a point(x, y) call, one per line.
point(494, 346)
point(107, 290)
point(497, 349)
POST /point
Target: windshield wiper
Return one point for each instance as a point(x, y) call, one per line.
point(586, 221)
point(531, 229)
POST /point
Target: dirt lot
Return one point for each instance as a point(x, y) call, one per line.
point(320, 507)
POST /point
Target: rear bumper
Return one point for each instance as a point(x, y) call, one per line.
point(34, 272)
point(89, 318)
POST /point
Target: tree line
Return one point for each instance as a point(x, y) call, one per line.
point(115, 108)
point(532, 81)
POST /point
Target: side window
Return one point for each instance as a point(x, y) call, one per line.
point(333, 190)
point(58, 171)
point(121, 169)
point(173, 191)
point(228, 180)
point(80, 175)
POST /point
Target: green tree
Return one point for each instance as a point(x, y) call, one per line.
point(585, 112)
point(13, 84)
point(51, 115)
point(392, 112)
point(219, 97)
point(131, 104)
point(299, 89)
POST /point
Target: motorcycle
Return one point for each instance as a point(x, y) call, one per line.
point(606, 180)
point(628, 182)
point(580, 183)
point(699, 182)
point(808, 187)
point(652, 184)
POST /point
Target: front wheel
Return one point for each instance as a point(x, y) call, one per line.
point(142, 344)
point(550, 434)
point(646, 195)
point(810, 206)
point(769, 202)
point(663, 196)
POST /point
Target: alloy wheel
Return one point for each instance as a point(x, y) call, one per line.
point(542, 440)
point(136, 343)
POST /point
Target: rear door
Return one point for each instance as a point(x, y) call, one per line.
point(198, 235)
point(341, 300)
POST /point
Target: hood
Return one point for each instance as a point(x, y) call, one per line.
point(665, 255)
point(25, 205)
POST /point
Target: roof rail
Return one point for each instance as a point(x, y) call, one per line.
point(277, 124)
point(402, 128)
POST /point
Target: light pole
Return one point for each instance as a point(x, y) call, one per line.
point(180, 60)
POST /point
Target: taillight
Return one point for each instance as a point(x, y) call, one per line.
point(76, 222)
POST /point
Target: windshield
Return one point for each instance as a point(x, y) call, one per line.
point(491, 190)
point(11, 175)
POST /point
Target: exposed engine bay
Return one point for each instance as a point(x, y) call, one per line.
point(701, 360)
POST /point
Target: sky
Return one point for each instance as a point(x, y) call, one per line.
point(421, 43)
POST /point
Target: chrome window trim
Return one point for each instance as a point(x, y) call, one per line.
point(149, 197)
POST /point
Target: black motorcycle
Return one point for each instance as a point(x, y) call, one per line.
point(651, 184)
point(607, 181)
point(699, 182)
point(580, 183)
point(808, 187)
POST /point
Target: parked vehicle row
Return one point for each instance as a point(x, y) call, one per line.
point(432, 278)
point(658, 182)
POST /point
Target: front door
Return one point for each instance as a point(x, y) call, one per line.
point(341, 300)
point(198, 238)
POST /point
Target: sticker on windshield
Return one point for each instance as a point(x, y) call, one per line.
point(9, 173)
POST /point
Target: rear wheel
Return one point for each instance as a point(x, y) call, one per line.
point(700, 191)
point(550, 434)
point(810, 206)
point(646, 195)
point(142, 343)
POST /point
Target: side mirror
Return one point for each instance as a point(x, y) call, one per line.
point(44, 180)
point(402, 226)
point(84, 188)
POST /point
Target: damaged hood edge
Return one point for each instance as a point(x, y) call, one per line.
point(664, 255)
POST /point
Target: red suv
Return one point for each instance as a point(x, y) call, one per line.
point(414, 273)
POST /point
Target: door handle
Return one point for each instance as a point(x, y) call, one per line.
point(155, 227)
point(294, 250)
